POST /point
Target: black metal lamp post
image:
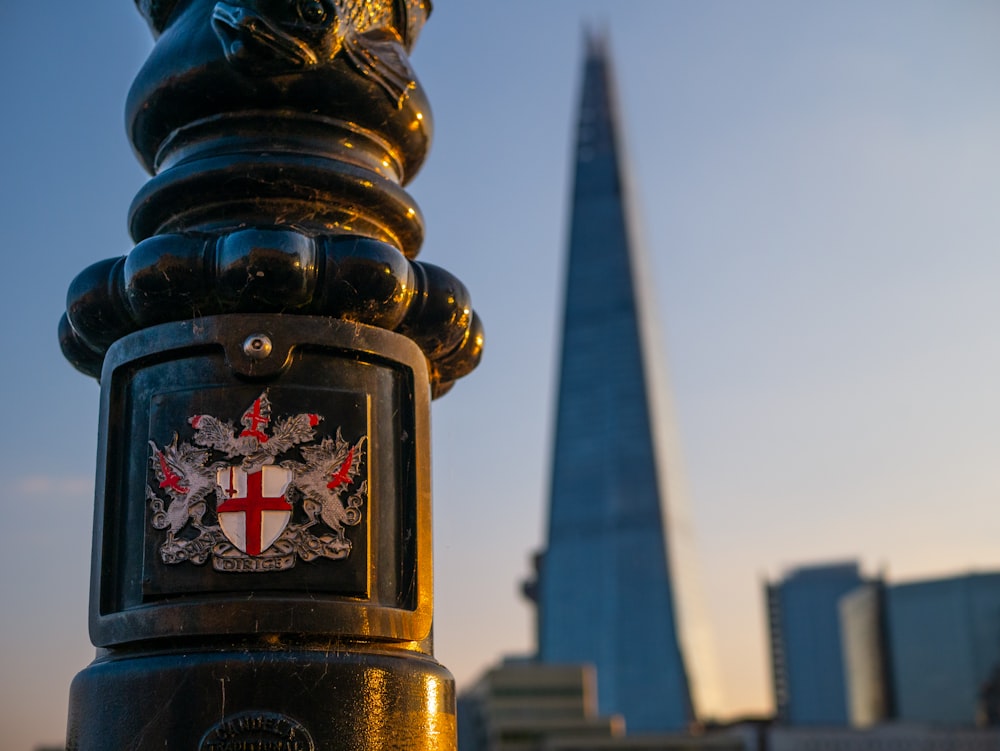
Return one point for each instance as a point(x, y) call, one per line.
point(267, 353)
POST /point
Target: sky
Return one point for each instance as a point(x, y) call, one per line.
point(819, 186)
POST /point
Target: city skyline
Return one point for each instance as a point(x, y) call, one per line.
point(818, 187)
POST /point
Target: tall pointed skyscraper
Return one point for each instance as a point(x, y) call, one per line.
point(604, 592)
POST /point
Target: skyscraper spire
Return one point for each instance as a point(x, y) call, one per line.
point(605, 594)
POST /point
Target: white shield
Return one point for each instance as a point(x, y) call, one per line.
point(255, 511)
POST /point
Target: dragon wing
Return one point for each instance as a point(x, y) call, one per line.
point(213, 433)
point(291, 432)
point(180, 468)
point(332, 462)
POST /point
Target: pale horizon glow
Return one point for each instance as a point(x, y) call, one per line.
point(818, 186)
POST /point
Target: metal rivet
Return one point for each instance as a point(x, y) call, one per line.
point(257, 346)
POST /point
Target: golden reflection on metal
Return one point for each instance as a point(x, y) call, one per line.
point(376, 699)
point(433, 695)
point(399, 714)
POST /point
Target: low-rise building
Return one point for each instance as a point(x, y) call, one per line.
point(520, 704)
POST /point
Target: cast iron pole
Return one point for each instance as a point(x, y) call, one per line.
point(267, 353)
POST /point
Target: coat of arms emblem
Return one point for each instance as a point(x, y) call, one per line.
point(258, 496)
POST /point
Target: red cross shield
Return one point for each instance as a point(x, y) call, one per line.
point(255, 511)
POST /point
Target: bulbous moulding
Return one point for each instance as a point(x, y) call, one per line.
point(174, 277)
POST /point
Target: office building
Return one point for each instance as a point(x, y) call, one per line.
point(521, 705)
point(605, 593)
point(524, 705)
point(944, 644)
point(870, 698)
point(807, 659)
point(868, 653)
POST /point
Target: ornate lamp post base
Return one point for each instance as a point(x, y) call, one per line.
point(260, 698)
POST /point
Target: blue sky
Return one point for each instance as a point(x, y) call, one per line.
point(818, 184)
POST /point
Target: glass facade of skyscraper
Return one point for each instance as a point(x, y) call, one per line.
point(604, 593)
